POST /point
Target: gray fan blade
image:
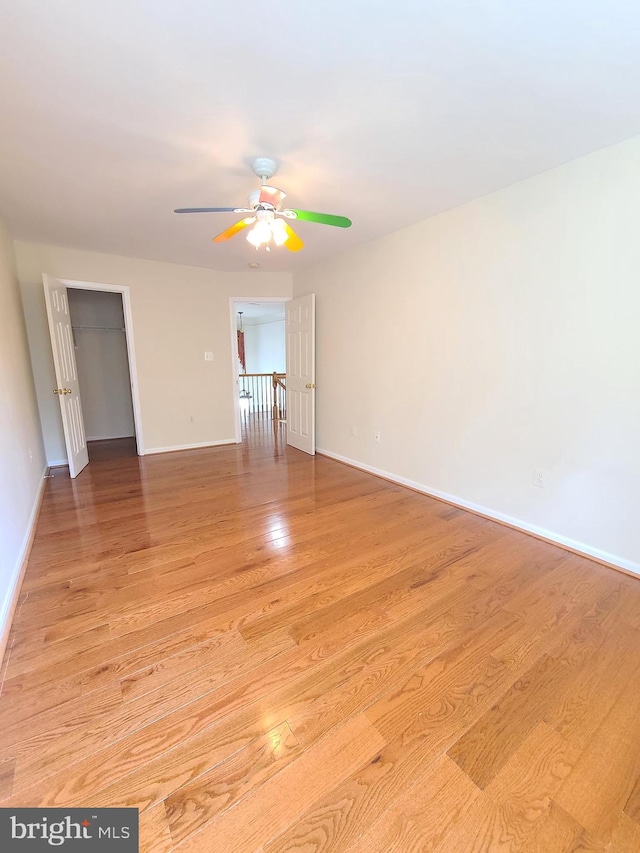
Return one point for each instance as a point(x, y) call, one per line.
point(205, 210)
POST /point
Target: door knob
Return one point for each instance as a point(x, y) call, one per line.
point(66, 390)
point(57, 391)
point(310, 385)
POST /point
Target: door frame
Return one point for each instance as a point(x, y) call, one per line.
point(131, 350)
point(233, 325)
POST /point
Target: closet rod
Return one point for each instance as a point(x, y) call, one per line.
point(97, 329)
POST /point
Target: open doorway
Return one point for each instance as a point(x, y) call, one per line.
point(100, 344)
point(259, 346)
point(102, 318)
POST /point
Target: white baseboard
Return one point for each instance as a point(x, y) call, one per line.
point(151, 450)
point(13, 593)
point(107, 437)
point(541, 533)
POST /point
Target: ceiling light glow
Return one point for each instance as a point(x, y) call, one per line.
point(279, 232)
point(268, 228)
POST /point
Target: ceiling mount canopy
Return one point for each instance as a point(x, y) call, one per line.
point(264, 168)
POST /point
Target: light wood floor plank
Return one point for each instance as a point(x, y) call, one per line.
point(280, 800)
point(598, 789)
point(7, 770)
point(268, 652)
point(116, 740)
point(625, 836)
point(504, 817)
point(155, 835)
point(558, 831)
point(423, 814)
point(194, 805)
point(547, 691)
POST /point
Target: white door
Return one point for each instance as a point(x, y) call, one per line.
point(301, 373)
point(64, 362)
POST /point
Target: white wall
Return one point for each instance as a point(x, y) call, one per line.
point(97, 319)
point(21, 449)
point(265, 347)
point(497, 338)
point(178, 313)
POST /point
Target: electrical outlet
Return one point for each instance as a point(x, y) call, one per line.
point(539, 478)
point(377, 436)
point(208, 356)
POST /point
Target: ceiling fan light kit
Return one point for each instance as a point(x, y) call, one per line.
point(265, 207)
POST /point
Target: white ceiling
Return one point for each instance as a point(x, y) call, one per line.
point(114, 113)
point(256, 313)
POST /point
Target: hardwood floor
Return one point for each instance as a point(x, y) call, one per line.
point(264, 651)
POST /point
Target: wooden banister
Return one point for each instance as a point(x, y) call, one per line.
point(277, 383)
point(257, 400)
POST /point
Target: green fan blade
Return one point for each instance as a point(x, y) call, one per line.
point(323, 218)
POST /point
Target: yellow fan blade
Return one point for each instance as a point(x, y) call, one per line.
point(293, 243)
point(228, 234)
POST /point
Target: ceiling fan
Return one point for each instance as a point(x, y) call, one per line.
point(268, 218)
